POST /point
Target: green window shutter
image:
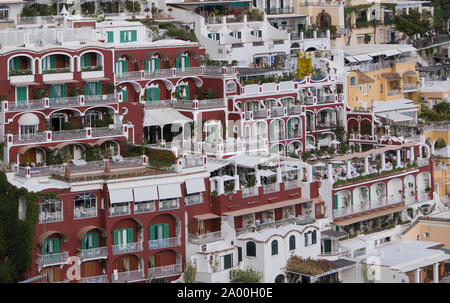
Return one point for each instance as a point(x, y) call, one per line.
point(125, 95)
point(129, 235)
point(157, 63)
point(152, 232)
point(157, 97)
point(187, 61)
point(64, 90)
point(147, 66)
point(148, 93)
point(289, 128)
point(116, 236)
point(239, 35)
point(335, 202)
point(187, 92)
point(87, 60)
point(239, 254)
point(122, 36)
point(11, 64)
point(83, 243)
point(110, 37)
point(251, 249)
point(17, 63)
point(228, 261)
point(44, 247)
point(177, 63)
point(52, 61)
point(165, 230)
point(95, 240)
point(134, 35)
point(98, 88)
point(21, 94)
point(274, 247)
point(52, 91)
point(87, 91)
point(55, 245)
point(314, 238)
point(125, 66)
point(292, 242)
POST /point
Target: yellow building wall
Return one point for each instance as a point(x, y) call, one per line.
point(438, 233)
point(440, 176)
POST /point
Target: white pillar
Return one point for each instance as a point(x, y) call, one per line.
point(383, 161)
point(366, 165)
point(221, 189)
point(399, 158)
point(300, 174)
point(309, 176)
point(417, 275)
point(236, 182)
point(420, 151)
point(258, 179)
point(349, 169)
point(411, 155)
point(330, 171)
point(279, 177)
point(436, 273)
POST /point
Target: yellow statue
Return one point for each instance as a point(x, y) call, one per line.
point(304, 65)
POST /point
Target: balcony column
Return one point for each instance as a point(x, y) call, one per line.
point(436, 273)
point(399, 159)
point(258, 179)
point(366, 165)
point(236, 182)
point(309, 176)
point(300, 174)
point(330, 172)
point(420, 152)
point(221, 186)
point(417, 275)
point(411, 155)
point(349, 169)
point(279, 177)
point(383, 162)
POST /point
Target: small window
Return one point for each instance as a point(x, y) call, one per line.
point(360, 88)
point(370, 86)
point(426, 235)
point(251, 249)
point(352, 81)
point(239, 254)
point(274, 247)
point(227, 261)
point(292, 242)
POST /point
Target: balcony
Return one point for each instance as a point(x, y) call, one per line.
point(126, 248)
point(200, 239)
point(115, 211)
point(92, 254)
point(276, 10)
point(309, 100)
point(393, 92)
point(357, 209)
point(325, 125)
point(168, 204)
point(271, 188)
point(57, 74)
point(291, 184)
point(164, 243)
point(409, 87)
point(50, 217)
point(174, 72)
point(129, 276)
point(294, 110)
point(80, 213)
point(95, 279)
point(53, 259)
point(260, 114)
point(249, 191)
point(144, 207)
point(193, 199)
point(165, 271)
point(200, 104)
point(326, 99)
point(276, 112)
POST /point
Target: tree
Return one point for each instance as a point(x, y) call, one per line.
point(412, 24)
point(190, 272)
point(304, 65)
point(248, 275)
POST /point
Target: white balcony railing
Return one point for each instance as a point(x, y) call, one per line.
point(95, 279)
point(115, 211)
point(164, 243)
point(144, 207)
point(291, 184)
point(85, 213)
point(271, 188)
point(393, 92)
point(127, 248)
point(53, 259)
point(56, 216)
point(249, 191)
point(93, 253)
point(165, 271)
point(129, 276)
point(168, 204)
point(193, 199)
point(205, 238)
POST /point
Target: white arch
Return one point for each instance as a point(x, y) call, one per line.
point(32, 63)
point(89, 51)
point(197, 80)
point(169, 84)
point(57, 53)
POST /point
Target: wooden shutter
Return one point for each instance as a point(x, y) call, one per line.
point(177, 63)
point(125, 95)
point(292, 242)
point(95, 240)
point(314, 238)
point(187, 61)
point(134, 35)
point(87, 91)
point(64, 90)
point(52, 61)
point(148, 93)
point(122, 36)
point(52, 91)
point(274, 247)
point(289, 128)
point(124, 66)
point(147, 66)
point(55, 245)
point(187, 92)
point(239, 254)
point(227, 261)
point(87, 60)
point(335, 202)
point(83, 243)
point(157, 63)
point(17, 63)
point(98, 88)
point(110, 37)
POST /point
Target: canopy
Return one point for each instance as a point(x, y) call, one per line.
point(226, 178)
point(120, 195)
point(351, 59)
point(395, 117)
point(169, 191)
point(195, 186)
point(363, 57)
point(266, 173)
point(145, 193)
point(411, 74)
point(392, 52)
point(163, 116)
point(28, 119)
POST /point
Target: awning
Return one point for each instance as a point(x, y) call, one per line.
point(28, 119)
point(206, 216)
point(391, 76)
point(145, 193)
point(363, 57)
point(411, 74)
point(120, 195)
point(408, 48)
point(351, 59)
point(82, 232)
point(49, 233)
point(195, 186)
point(395, 117)
point(266, 173)
point(251, 210)
point(354, 244)
point(169, 191)
point(226, 178)
point(392, 52)
point(163, 116)
point(61, 81)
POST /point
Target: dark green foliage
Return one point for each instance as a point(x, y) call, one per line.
point(54, 158)
point(206, 94)
point(133, 6)
point(93, 154)
point(412, 23)
point(16, 236)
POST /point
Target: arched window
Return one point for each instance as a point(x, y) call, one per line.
point(251, 249)
point(292, 242)
point(85, 205)
point(274, 247)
